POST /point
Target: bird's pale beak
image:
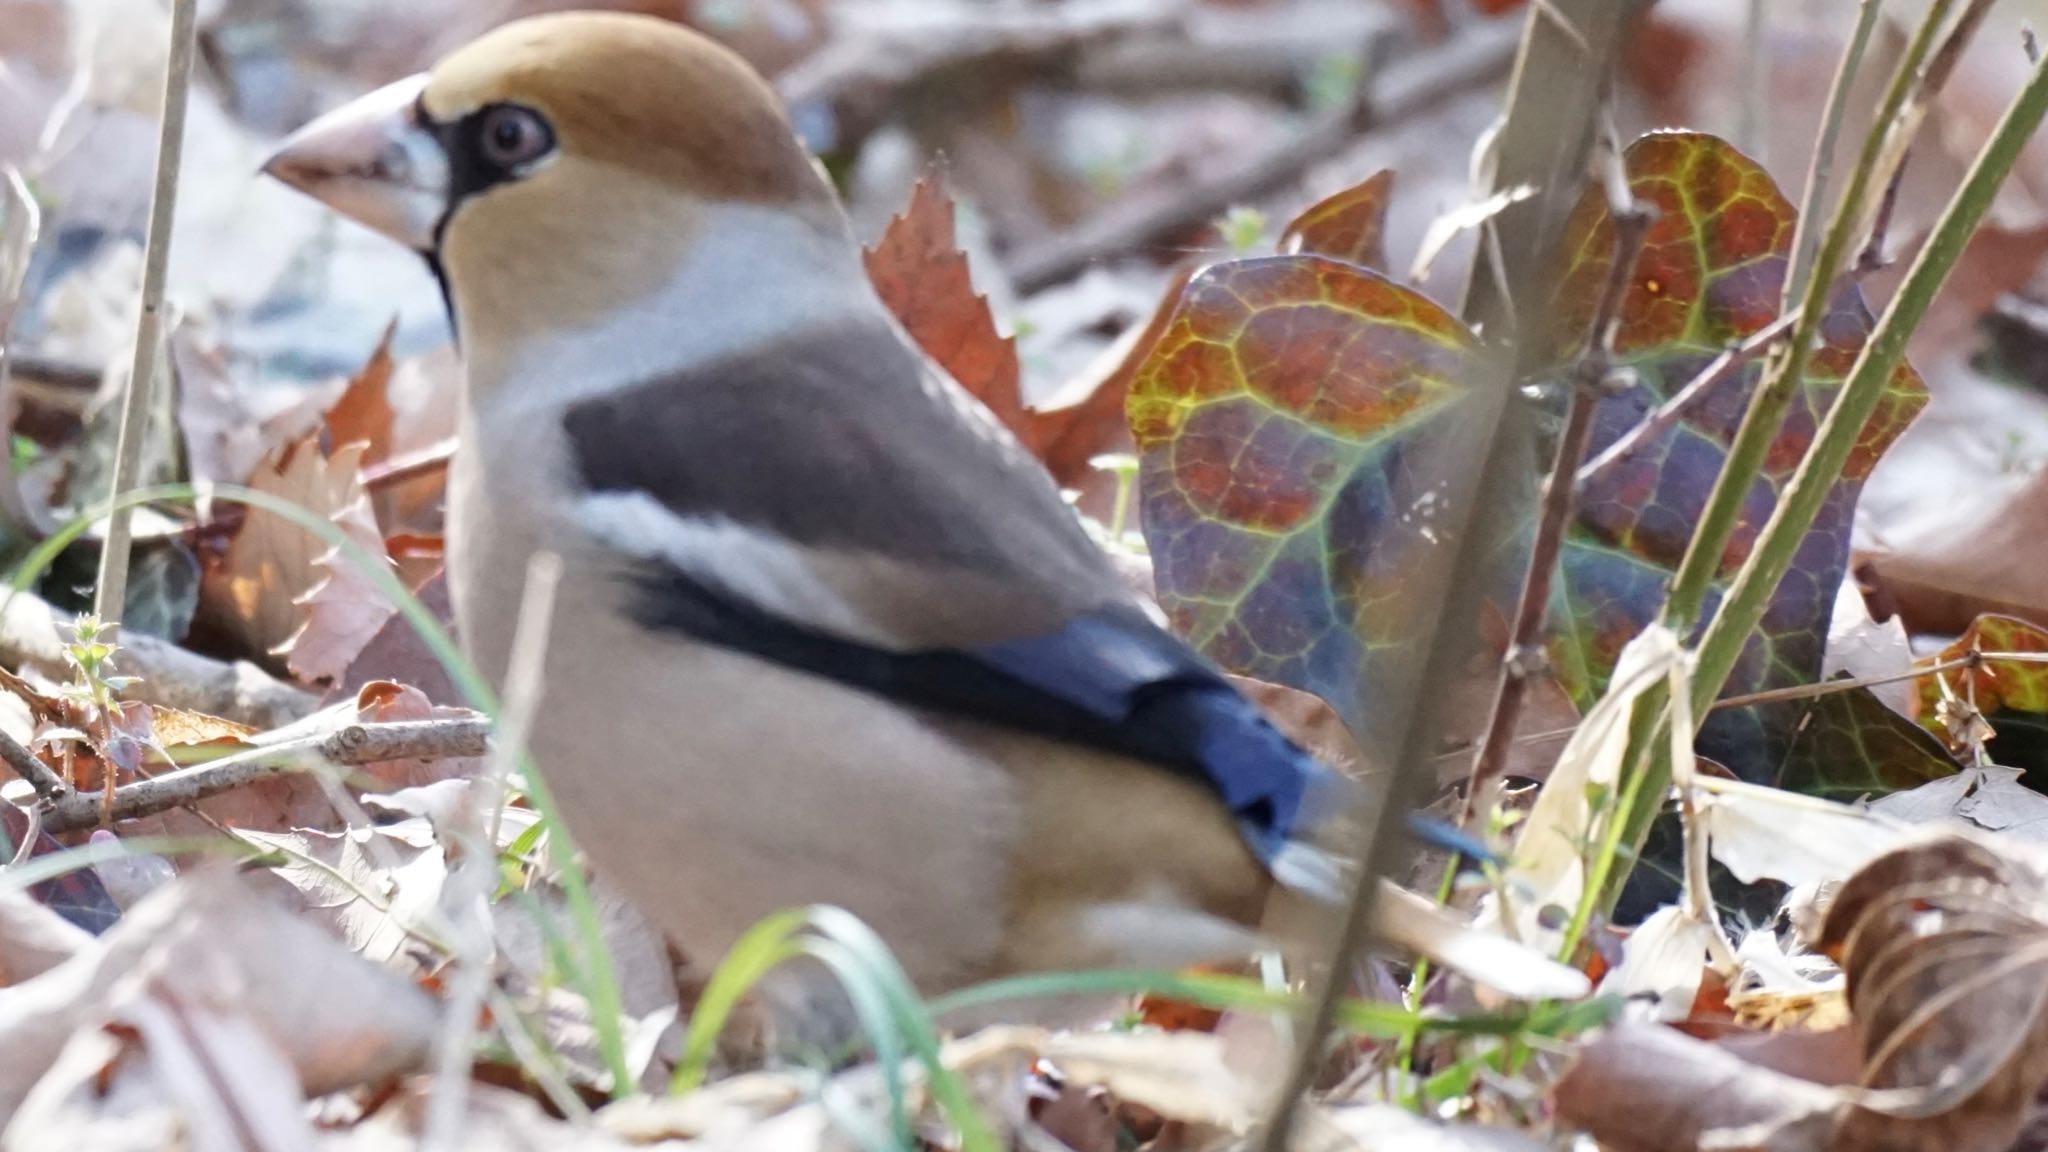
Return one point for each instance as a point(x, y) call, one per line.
point(373, 161)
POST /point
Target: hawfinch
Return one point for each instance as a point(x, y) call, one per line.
point(825, 634)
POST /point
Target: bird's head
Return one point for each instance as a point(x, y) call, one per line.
point(565, 170)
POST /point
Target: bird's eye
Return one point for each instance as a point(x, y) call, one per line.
point(511, 136)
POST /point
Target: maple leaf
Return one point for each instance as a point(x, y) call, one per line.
point(279, 587)
point(922, 276)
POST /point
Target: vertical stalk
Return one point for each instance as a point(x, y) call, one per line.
point(1840, 431)
point(1834, 441)
point(1589, 380)
point(1813, 201)
point(1786, 369)
point(110, 595)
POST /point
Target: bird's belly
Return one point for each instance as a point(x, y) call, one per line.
point(715, 789)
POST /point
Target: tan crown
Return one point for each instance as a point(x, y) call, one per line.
point(655, 127)
point(640, 93)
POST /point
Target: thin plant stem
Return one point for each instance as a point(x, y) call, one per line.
point(1834, 441)
point(1839, 432)
point(1813, 201)
point(110, 594)
point(1830, 687)
point(1756, 78)
point(1663, 417)
point(1901, 131)
point(30, 767)
point(1590, 378)
point(1785, 371)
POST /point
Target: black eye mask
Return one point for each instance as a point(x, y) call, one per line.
point(471, 172)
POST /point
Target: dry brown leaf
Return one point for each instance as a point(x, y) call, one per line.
point(397, 653)
point(385, 702)
point(1986, 556)
point(33, 939)
point(362, 414)
point(922, 276)
point(210, 942)
point(494, 1119)
point(251, 594)
point(920, 272)
point(1991, 798)
point(1646, 1088)
point(1308, 720)
point(375, 886)
point(345, 610)
point(1942, 942)
point(1180, 1075)
point(402, 411)
point(1768, 833)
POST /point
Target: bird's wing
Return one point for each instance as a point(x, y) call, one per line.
point(832, 508)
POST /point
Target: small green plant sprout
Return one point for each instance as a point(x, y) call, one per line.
point(91, 657)
point(1124, 467)
point(1243, 229)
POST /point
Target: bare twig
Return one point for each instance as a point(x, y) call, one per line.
point(1406, 89)
point(34, 635)
point(110, 595)
point(1905, 127)
point(354, 744)
point(468, 890)
point(1846, 684)
point(1591, 380)
point(1662, 418)
point(31, 768)
point(427, 461)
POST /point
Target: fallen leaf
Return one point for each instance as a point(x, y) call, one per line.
point(1646, 1088)
point(1991, 798)
point(223, 442)
point(1984, 554)
point(1941, 942)
point(1547, 868)
point(252, 594)
point(401, 411)
point(213, 942)
point(398, 653)
point(342, 613)
point(1308, 720)
point(1180, 1075)
point(1764, 833)
point(1662, 962)
point(374, 886)
point(385, 702)
point(922, 276)
point(362, 414)
point(1862, 648)
point(1389, 1127)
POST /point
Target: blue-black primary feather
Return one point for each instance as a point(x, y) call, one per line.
point(1109, 679)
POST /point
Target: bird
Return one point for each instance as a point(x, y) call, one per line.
point(826, 634)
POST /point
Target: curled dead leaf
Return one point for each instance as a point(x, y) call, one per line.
point(1944, 943)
